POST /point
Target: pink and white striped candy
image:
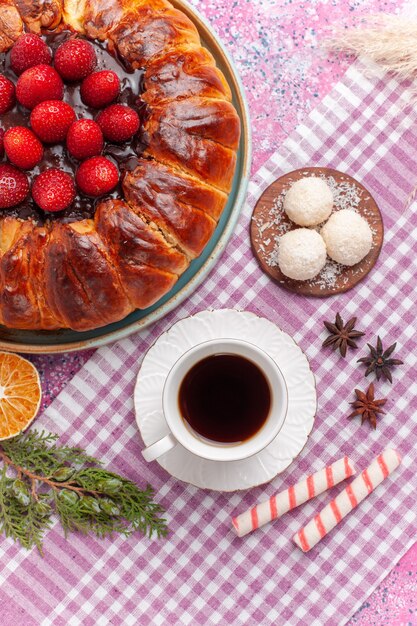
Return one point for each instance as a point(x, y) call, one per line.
point(289, 499)
point(347, 500)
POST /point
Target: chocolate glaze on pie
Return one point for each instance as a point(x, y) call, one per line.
point(125, 155)
point(97, 261)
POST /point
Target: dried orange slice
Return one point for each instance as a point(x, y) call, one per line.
point(20, 394)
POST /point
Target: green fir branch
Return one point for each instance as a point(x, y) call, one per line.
point(40, 478)
point(38, 452)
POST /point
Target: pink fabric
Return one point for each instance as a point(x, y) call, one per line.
point(287, 83)
point(203, 574)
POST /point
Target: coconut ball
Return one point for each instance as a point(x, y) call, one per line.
point(301, 254)
point(309, 201)
point(347, 236)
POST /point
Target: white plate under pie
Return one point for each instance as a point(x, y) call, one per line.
point(302, 399)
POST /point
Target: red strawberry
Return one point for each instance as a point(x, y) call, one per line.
point(38, 84)
point(1, 143)
point(118, 122)
point(22, 147)
point(75, 59)
point(97, 176)
point(53, 190)
point(84, 139)
point(29, 50)
point(7, 94)
point(51, 120)
point(14, 186)
point(100, 88)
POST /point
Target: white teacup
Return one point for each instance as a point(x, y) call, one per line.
point(181, 432)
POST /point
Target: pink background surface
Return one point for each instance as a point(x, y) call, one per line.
point(275, 44)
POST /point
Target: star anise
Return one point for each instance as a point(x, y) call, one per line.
point(366, 406)
point(379, 361)
point(342, 335)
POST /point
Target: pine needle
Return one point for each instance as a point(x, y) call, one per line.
point(40, 478)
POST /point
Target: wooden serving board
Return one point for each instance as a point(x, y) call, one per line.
point(269, 222)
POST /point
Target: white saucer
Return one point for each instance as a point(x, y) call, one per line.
point(302, 400)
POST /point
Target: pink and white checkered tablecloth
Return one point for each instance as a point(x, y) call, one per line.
point(203, 574)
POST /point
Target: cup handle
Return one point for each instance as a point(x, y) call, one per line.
point(158, 448)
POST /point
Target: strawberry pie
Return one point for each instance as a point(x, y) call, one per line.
point(118, 143)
